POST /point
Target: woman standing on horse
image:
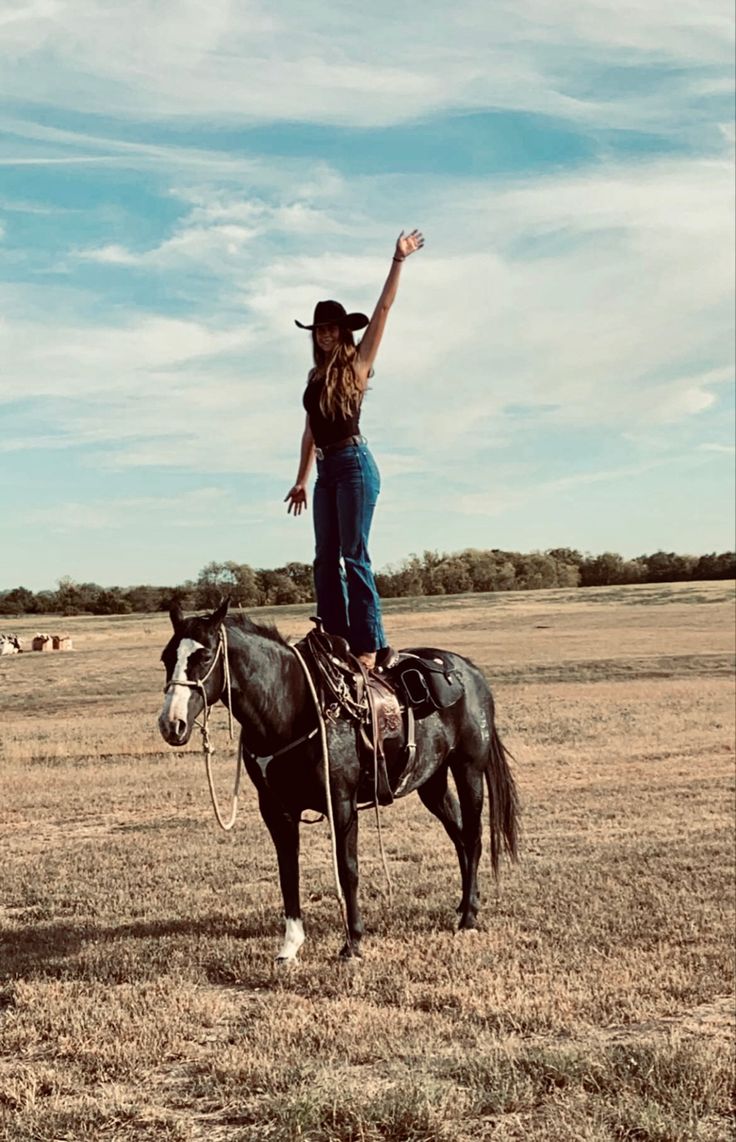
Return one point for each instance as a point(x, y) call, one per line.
point(348, 481)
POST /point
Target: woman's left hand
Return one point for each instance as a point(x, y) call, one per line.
point(408, 243)
point(296, 498)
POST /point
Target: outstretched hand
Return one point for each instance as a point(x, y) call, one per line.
point(296, 497)
point(408, 243)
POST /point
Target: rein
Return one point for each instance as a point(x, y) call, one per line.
point(207, 747)
point(360, 708)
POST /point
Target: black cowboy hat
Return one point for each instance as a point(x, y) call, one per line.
point(332, 313)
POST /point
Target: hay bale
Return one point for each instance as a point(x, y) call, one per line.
point(62, 642)
point(42, 642)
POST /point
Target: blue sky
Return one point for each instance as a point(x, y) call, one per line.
point(179, 181)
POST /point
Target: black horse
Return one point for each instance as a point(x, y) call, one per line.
point(271, 699)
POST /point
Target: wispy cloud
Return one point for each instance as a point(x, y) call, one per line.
point(585, 312)
point(19, 206)
point(247, 61)
point(217, 227)
point(725, 449)
point(64, 160)
point(202, 510)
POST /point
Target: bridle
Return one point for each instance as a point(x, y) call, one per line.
point(198, 683)
point(207, 747)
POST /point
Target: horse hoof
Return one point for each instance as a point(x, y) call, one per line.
point(349, 954)
point(467, 932)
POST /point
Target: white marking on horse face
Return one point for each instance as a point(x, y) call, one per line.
point(176, 702)
point(293, 940)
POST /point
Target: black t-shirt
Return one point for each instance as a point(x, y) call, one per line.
point(328, 430)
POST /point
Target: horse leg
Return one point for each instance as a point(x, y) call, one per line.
point(284, 830)
point(346, 833)
point(440, 799)
point(469, 782)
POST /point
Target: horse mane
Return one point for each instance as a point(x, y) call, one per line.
point(265, 630)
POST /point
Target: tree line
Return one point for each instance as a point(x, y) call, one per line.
point(432, 573)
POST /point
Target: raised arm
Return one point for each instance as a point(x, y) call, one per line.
point(405, 245)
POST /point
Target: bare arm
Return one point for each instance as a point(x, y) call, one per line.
point(297, 496)
point(405, 245)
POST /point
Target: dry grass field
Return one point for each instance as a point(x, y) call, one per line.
point(137, 994)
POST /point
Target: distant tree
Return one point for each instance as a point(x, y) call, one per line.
point(46, 602)
point(210, 586)
point(18, 601)
point(410, 580)
point(432, 573)
point(610, 568)
point(76, 598)
point(535, 571)
point(567, 574)
point(245, 585)
point(505, 573)
point(111, 602)
point(568, 555)
point(145, 600)
point(427, 567)
point(276, 589)
point(300, 574)
point(387, 584)
point(714, 566)
point(453, 575)
point(404, 581)
point(216, 581)
point(667, 567)
point(602, 570)
point(633, 571)
point(482, 568)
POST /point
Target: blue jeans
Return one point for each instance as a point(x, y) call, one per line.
point(348, 483)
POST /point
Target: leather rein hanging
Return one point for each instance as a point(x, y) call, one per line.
point(360, 709)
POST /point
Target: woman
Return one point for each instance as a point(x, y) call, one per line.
point(348, 481)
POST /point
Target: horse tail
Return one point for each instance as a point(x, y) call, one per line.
point(503, 802)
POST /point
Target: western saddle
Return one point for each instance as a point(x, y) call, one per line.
point(384, 704)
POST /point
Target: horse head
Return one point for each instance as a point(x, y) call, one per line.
point(193, 658)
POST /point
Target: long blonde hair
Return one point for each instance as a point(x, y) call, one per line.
point(342, 394)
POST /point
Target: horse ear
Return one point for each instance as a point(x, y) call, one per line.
point(176, 615)
point(217, 616)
